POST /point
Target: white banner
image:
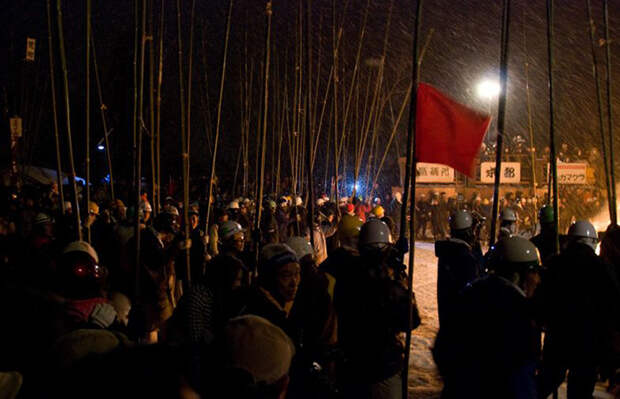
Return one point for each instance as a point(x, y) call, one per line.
point(434, 173)
point(571, 173)
point(511, 172)
point(30, 47)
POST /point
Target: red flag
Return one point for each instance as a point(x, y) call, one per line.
point(447, 132)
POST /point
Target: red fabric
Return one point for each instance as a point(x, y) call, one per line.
point(79, 310)
point(447, 132)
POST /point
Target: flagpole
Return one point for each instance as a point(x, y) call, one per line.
point(411, 176)
point(501, 117)
point(612, 175)
point(553, 160)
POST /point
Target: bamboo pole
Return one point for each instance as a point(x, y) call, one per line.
point(526, 65)
point(134, 127)
point(392, 135)
point(501, 117)
point(151, 29)
point(599, 103)
point(63, 62)
point(219, 115)
point(184, 147)
point(553, 160)
point(411, 178)
point(54, 108)
point(259, 198)
point(160, 71)
point(138, 107)
point(309, 133)
point(102, 109)
point(87, 113)
point(612, 165)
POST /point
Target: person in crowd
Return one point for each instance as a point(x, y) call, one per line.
point(154, 294)
point(490, 347)
point(423, 216)
point(221, 217)
point(579, 298)
point(282, 218)
point(349, 228)
point(396, 209)
point(508, 223)
point(436, 222)
point(545, 239)
point(459, 263)
point(256, 359)
point(372, 304)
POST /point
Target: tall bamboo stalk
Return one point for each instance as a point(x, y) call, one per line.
point(152, 149)
point(160, 71)
point(102, 109)
point(134, 127)
point(259, 197)
point(526, 65)
point(411, 178)
point(59, 178)
point(63, 62)
point(599, 103)
point(553, 160)
point(138, 106)
point(501, 117)
point(219, 113)
point(87, 113)
point(612, 165)
point(184, 148)
point(309, 126)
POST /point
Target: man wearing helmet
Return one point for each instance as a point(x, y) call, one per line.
point(372, 304)
point(489, 346)
point(544, 240)
point(508, 223)
point(580, 302)
point(459, 261)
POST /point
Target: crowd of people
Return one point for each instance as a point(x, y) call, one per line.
point(127, 304)
point(433, 209)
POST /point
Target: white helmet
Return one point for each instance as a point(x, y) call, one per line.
point(229, 228)
point(398, 196)
point(301, 246)
point(375, 232)
point(299, 201)
point(461, 220)
point(508, 215)
point(320, 202)
point(233, 205)
point(82, 246)
point(513, 254)
point(583, 229)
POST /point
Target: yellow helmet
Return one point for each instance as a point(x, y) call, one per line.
point(349, 226)
point(378, 211)
point(93, 208)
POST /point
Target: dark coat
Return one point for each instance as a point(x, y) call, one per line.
point(490, 347)
point(457, 266)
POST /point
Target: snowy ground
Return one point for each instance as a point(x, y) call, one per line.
point(424, 381)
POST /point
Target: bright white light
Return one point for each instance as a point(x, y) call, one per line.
point(101, 147)
point(488, 89)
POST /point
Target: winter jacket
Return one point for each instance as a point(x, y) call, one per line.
point(457, 266)
point(489, 348)
point(580, 302)
point(372, 315)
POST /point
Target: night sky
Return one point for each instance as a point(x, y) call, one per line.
point(463, 50)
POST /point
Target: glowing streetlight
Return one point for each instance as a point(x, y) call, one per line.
point(488, 89)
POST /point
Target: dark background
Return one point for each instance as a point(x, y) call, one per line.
point(464, 49)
